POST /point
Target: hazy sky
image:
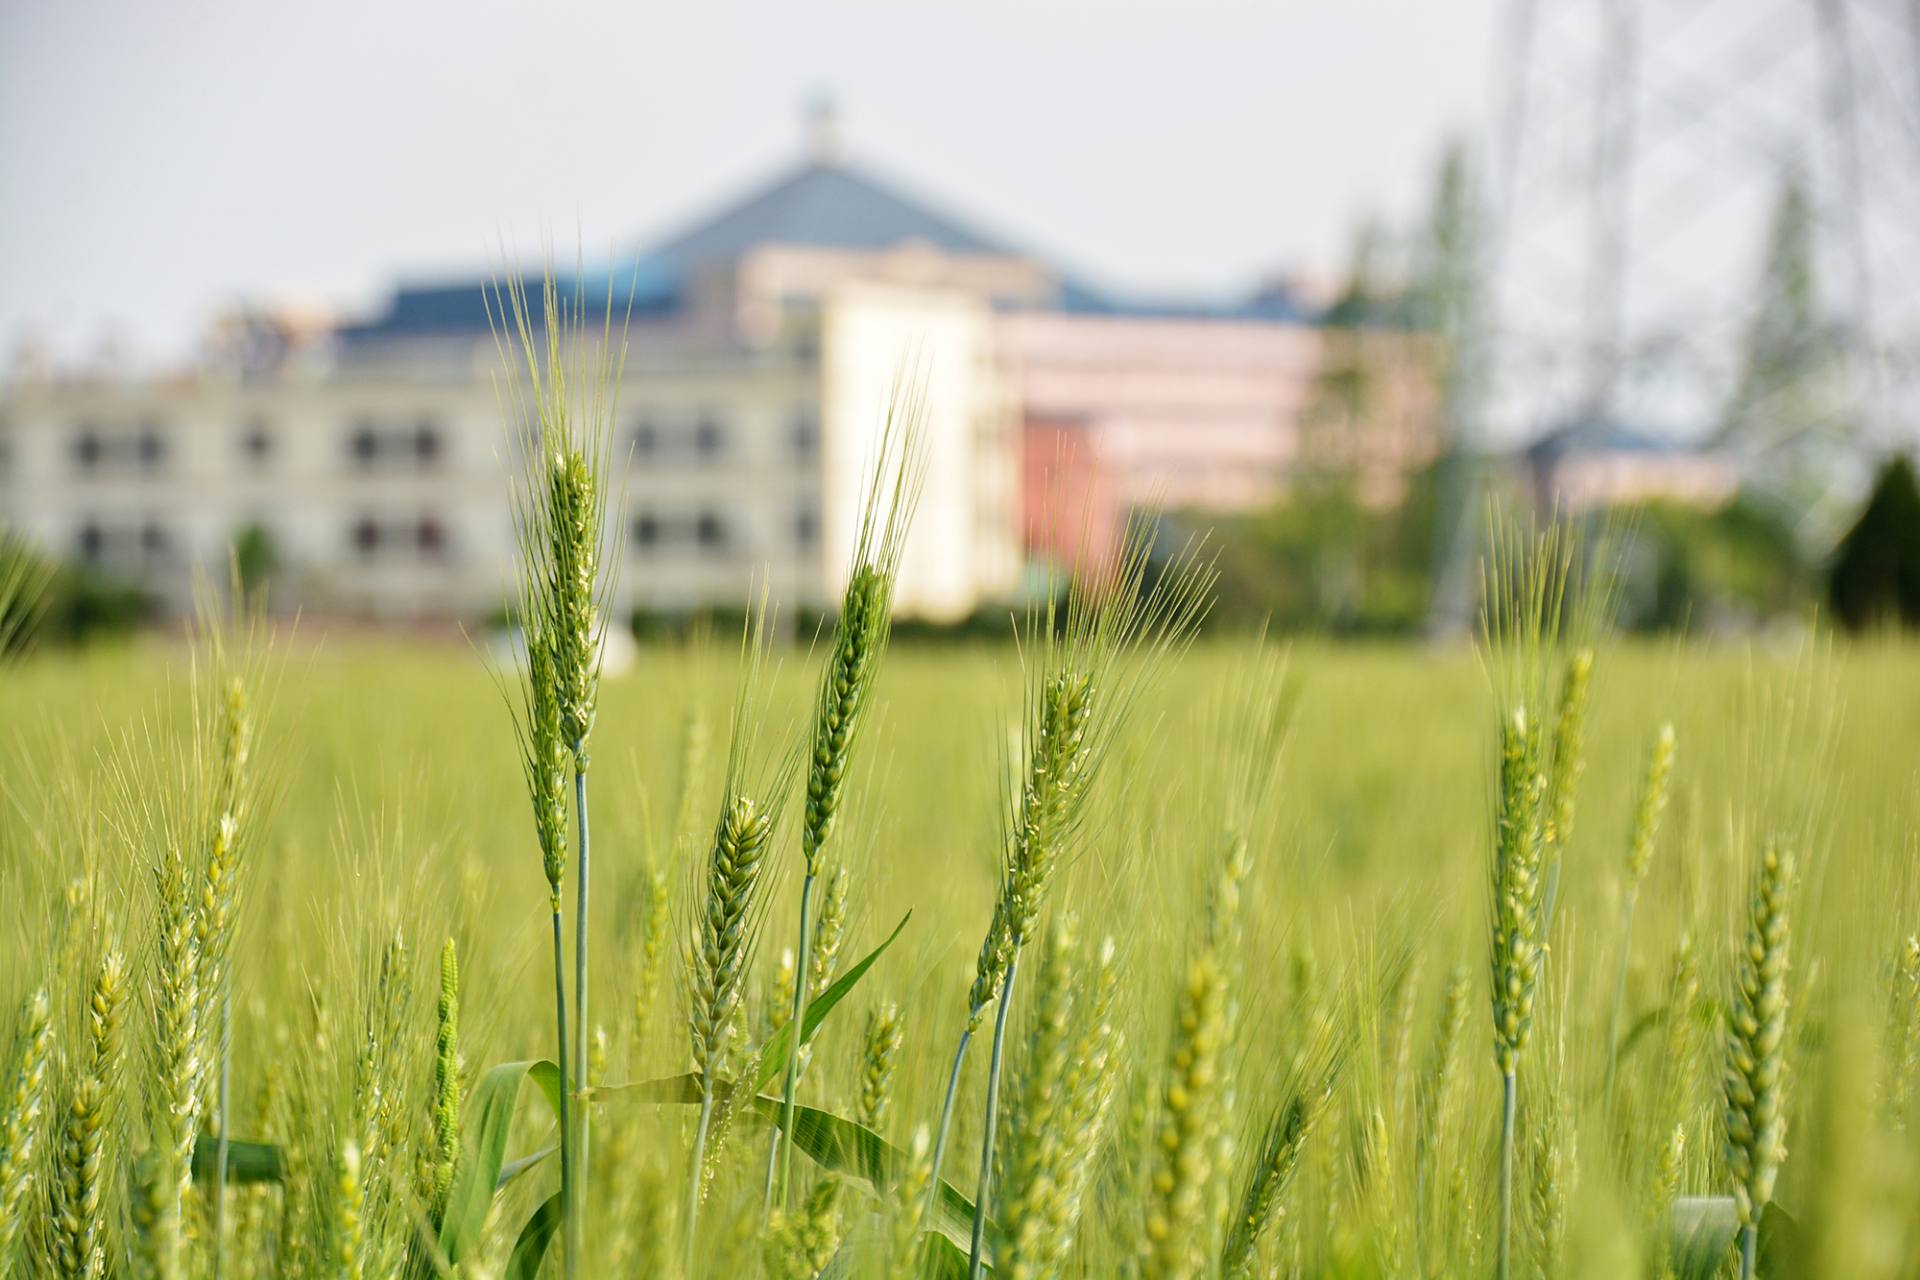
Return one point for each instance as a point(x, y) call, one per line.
point(158, 160)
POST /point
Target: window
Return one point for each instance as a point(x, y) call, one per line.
point(87, 448)
point(400, 537)
point(256, 443)
point(120, 447)
point(710, 531)
point(93, 542)
point(805, 436)
point(806, 528)
point(364, 444)
point(154, 542)
point(417, 444)
point(646, 529)
point(646, 439)
point(707, 438)
point(152, 447)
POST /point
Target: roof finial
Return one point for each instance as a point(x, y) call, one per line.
point(823, 128)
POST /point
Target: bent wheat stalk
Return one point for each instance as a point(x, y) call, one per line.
point(1091, 668)
point(859, 642)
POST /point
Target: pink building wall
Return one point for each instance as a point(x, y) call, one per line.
point(1210, 415)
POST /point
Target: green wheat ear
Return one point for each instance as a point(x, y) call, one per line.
point(82, 1163)
point(25, 1101)
point(1754, 1085)
point(446, 1078)
point(729, 905)
point(727, 924)
point(880, 1047)
point(1516, 943)
point(1092, 665)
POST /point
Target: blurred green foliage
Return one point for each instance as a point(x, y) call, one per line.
point(64, 604)
point(1321, 561)
point(1876, 570)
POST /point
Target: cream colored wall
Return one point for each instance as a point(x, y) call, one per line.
point(311, 491)
point(308, 492)
point(965, 546)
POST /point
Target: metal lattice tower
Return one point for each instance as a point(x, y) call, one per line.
point(1632, 176)
point(1634, 173)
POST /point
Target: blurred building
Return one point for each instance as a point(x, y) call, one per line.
point(1596, 463)
point(764, 341)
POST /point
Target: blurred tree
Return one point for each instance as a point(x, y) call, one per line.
point(1321, 560)
point(1876, 570)
point(1445, 295)
point(1711, 571)
point(1364, 298)
point(1785, 349)
point(1446, 256)
point(1786, 416)
point(256, 558)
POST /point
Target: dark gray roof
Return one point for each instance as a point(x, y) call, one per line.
point(1598, 433)
point(826, 205)
point(820, 204)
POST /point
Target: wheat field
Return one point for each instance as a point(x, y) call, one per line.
point(390, 817)
point(1100, 952)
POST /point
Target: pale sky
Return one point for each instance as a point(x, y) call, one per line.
point(160, 160)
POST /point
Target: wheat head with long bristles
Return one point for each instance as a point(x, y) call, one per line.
point(1754, 1085)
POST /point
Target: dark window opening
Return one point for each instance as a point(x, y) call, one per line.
point(806, 528)
point(366, 535)
point(426, 442)
point(87, 449)
point(706, 438)
point(431, 537)
point(364, 445)
point(153, 540)
point(806, 436)
point(257, 443)
point(93, 542)
point(710, 531)
point(152, 447)
point(646, 529)
point(646, 440)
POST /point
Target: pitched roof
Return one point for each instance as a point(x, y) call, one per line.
point(829, 205)
point(823, 204)
point(1599, 433)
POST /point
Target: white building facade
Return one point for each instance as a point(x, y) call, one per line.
point(763, 345)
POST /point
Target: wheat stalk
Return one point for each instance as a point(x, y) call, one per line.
point(564, 420)
point(446, 1080)
point(730, 908)
point(26, 1097)
point(177, 1043)
point(214, 926)
point(1059, 1122)
point(1754, 1086)
point(1646, 829)
point(1090, 670)
point(349, 1207)
point(1516, 944)
point(79, 1209)
point(859, 642)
